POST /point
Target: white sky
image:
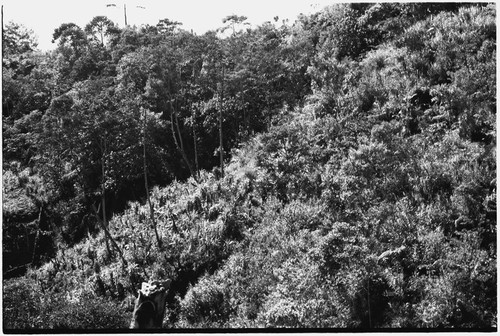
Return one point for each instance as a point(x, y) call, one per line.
point(43, 16)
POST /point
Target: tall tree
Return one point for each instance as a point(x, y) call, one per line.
point(70, 35)
point(17, 39)
point(102, 30)
point(146, 185)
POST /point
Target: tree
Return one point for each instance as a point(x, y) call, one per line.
point(146, 185)
point(22, 90)
point(89, 150)
point(74, 62)
point(102, 30)
point(167, 27)
point(70, 35)
point(17, 39)
point(234, 21)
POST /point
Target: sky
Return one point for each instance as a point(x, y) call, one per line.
point(198, 15)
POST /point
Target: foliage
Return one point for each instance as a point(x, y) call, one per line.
point(359, 193)
point(29, 309)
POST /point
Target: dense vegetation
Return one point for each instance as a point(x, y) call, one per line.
point(357, 190)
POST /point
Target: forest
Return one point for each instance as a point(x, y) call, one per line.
point(337, 172)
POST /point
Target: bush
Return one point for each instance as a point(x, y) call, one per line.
point(88, 313)
point(26, 306)
point(21, 309)
point(206, 305)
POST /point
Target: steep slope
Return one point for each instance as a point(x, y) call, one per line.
point(373, 205)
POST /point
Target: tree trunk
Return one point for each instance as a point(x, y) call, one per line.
point(33, 258)
point(221, 149)
point(149, 309)
point(151, 208)
point(108, 236)
point(180, 147)
point(103, 191)
point(195, 142)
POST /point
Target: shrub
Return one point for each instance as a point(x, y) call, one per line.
point(88, 313)
point(26, 306)
point(21, 309)
point(206, 305)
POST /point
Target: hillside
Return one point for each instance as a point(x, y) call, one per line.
point(357, 191)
